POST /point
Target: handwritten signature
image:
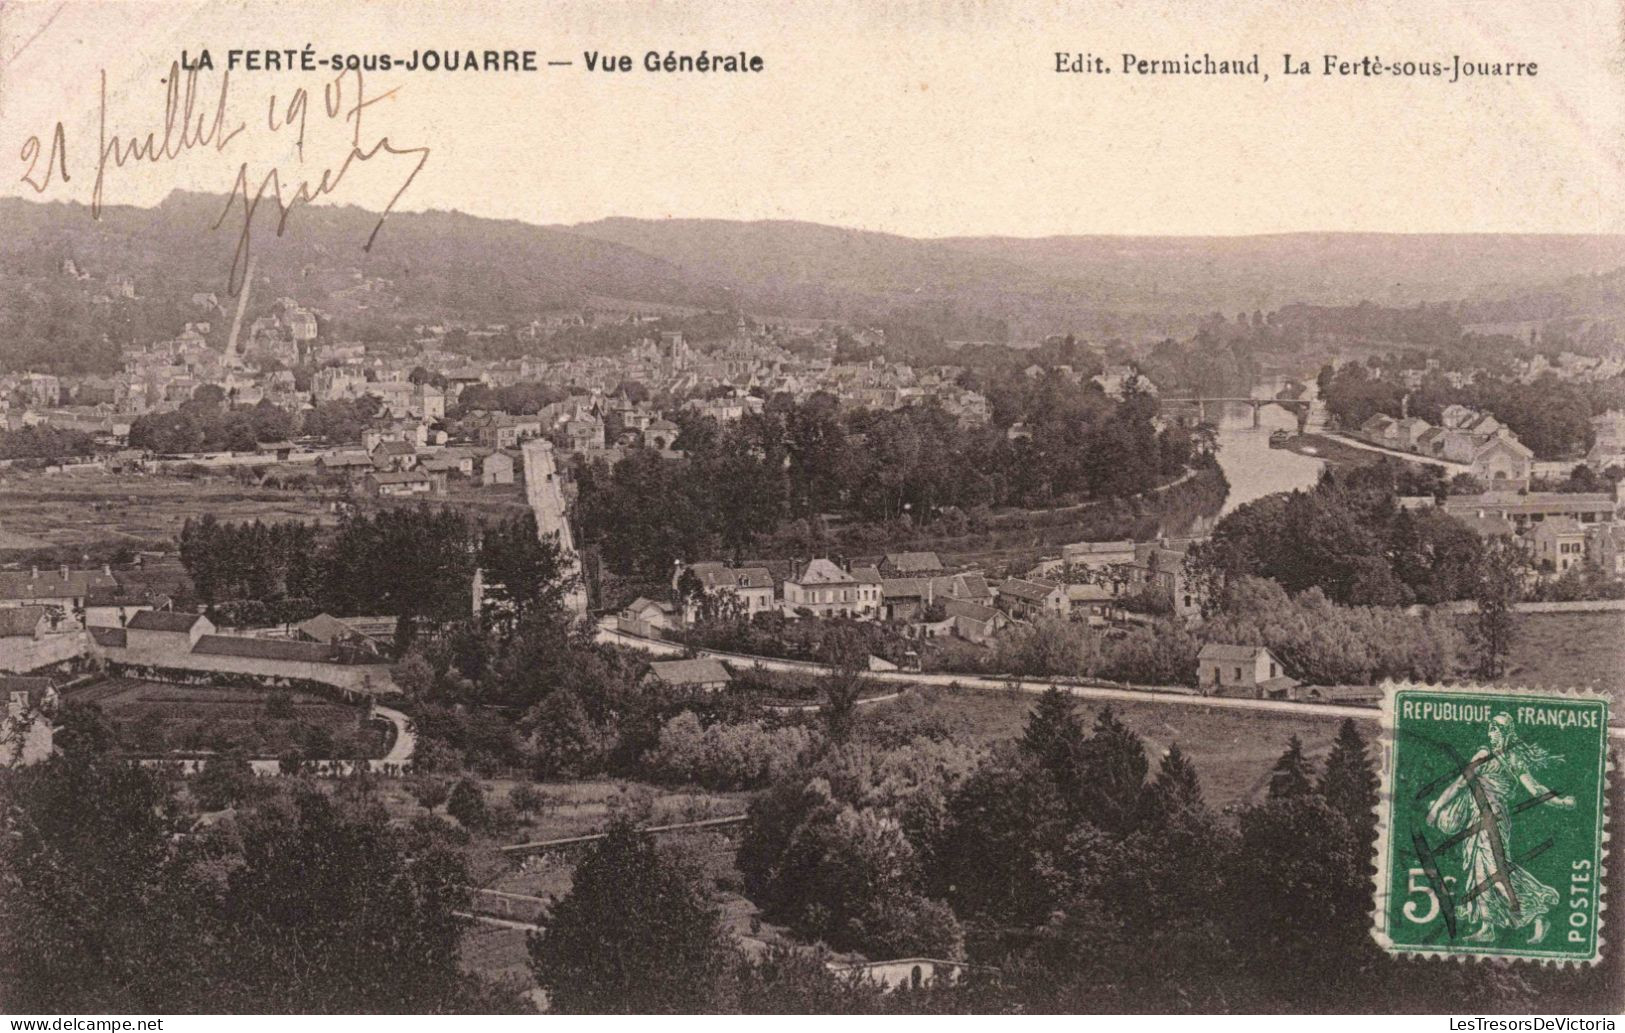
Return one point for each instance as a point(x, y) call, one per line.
point(190, 124)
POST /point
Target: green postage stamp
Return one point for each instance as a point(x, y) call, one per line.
point(1492, 823)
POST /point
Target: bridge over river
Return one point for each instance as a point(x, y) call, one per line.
point(1300, 408)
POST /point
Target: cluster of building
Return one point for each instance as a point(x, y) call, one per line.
point(53, 621)
point(255, 363)
point(1488, 450)
point(1559, 530)
point(1089, 583)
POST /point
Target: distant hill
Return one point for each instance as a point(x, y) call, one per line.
point(440, 261)
point(1313, 268)
point(1098, 281)
point(447, 264)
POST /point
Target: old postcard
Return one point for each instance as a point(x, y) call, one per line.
point(979, 507)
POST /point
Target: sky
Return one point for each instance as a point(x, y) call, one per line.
point(924, 119)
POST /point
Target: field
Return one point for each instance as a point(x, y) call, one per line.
point(138, 511)
point(1233, 750)
point(157, 718)
point(1569, 651)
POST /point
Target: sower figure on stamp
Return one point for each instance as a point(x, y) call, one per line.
point(1502, 894)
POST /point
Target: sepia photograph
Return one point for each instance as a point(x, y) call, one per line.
point(705, 507)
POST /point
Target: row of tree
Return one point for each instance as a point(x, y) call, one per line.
point(44, 442)
point(417, 564)
point(1550, 415)
point(736, 485)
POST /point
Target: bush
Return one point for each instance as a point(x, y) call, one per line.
point(225, 781)
point(526, 799)
point(428, 791)
point(1326, 644)
point(726, 756)
point(467, 805)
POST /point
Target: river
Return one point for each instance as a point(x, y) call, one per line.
point(1252, 467)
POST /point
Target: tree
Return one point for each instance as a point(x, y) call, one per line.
point(523, 572)
point(467, 804)
point(1497, 593)
point(333, 911)
point(526, 799)
point(83, 730)
point(995, 859)
point(1113, 778)
point(635, 935)
point(428, 791)
point(787, 981)
point(1300, 900)
point(1348, 783)
point(1176, 789)
point(98, 914)
point(1292, 775)
point(847, 654)
point(1054, 737)
point(225, 781)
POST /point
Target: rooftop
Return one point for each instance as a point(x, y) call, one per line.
point(823, 572)
point(702, 671)
point(20, 620)
point(1023, 588)
point(914, 562)
point(265, 648)
point(163, 620)
point(1227, 652)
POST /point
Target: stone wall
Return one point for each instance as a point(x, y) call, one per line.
point(20, 654)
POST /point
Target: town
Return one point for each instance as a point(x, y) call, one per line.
point(835, 663)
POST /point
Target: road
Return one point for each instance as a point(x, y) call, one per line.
point(406, 740)
point(1171, 695)
point(1449, 466)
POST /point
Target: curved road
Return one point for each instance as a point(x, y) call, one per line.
point(406, 740)
point(1450, 465)
point(1169, 695)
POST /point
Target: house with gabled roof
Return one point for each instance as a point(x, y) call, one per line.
point(1502, 462)
point(1247, 671)
point(973, 621)
point(1026, 599)
point(113, 606)
point(1558, 544)
point(825, 589)
point(909, 564)
point(64, 589)
point(394, 455)
point(165, 632)
point(1378, 429)
point(1408, 432)
point(703, 674)
point(752, 587)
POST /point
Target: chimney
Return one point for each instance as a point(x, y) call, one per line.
point(33, 572)
point(64, 572)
